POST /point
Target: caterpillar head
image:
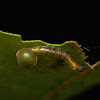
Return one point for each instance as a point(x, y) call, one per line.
point(26, 58)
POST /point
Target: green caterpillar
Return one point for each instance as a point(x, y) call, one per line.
point(27, 57)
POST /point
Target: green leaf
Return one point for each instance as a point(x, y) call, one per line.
point(50, 79)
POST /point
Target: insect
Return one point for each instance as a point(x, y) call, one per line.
point(27, 57)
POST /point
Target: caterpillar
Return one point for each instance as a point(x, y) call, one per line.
point(27, 57)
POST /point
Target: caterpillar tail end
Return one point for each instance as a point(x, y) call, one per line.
point(80, 68)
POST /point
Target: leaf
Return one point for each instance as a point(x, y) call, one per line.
point(50, 79)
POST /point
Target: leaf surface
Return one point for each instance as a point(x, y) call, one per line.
point(50, 79)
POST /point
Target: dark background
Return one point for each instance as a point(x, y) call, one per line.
point(57, 25)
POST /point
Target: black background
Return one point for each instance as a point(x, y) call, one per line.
point(57, 25)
